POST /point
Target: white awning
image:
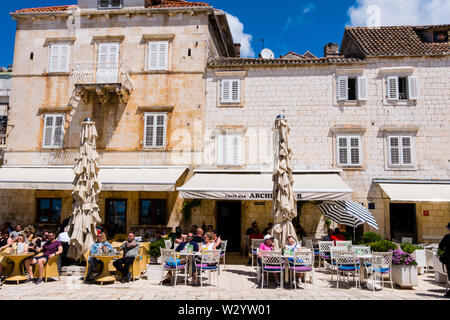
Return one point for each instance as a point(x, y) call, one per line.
point(259, 186)
point(417, 192)
point(112, 178)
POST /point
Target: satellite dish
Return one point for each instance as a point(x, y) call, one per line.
point(267, 54)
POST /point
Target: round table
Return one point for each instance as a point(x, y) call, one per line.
point(105, 276)
point(17, 273)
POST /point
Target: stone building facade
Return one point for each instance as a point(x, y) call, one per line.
point(136, 68)
point(387, 141)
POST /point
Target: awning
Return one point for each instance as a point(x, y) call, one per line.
point(112, 178)
point(348, 213)
point(259, 186)
point(417, 191)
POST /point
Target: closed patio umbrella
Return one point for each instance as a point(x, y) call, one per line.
point(86, 188)
point(284, 206)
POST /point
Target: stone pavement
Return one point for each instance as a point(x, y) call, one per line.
point(238, 282)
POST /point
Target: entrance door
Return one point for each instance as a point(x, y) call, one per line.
point(229, 224)
point(403, 221)
point(116, 217)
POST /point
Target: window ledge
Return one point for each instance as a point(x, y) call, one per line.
point(154, 149)
point(230, 105)
point(353, 168)
point(390, 103)
point(56, 73)
point(402, 168)
point(351, 103)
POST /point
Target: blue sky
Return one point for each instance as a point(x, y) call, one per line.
point(288, 25)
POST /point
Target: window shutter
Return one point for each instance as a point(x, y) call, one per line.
point(221, 149)
point(236, 150)
point(406, 150)
point(104, 3)
point(149, 129)
point(116, 3)
point(342, 88)
point(54, 58)
point(363, 85)
point(394, 151)
point(236, 90)
point(226, 90)
point(48, 131)
point(163, 55)
point(413, 88)
point(64, 58)
point(355, 156)
point(393, 92)
point(160, 130)
point(342, 151)
point(152, 55)
point(59, 132)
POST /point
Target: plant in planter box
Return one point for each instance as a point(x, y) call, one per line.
point(370, 237)
point(410, 248)
point(382, 246)
point(404, 269)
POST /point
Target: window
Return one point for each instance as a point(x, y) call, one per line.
point(49, 210)
point(402, 88)
point(230, 91)
point(59, 57)
point(400, 150)
point(352, 88)
point(53, 131)
point(155, 129)
point(108, 62)
point(157, 55)
point(229, 150)
point(440, 36)
point(152, 212)
point(349, 150)
point(110, 4)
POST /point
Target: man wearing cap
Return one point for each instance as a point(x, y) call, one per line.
point(267, 245)
point(445, 245)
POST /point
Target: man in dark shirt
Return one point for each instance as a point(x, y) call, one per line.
point(199, 236)
point(189, 240)
point(445, 245)
point(50, 249)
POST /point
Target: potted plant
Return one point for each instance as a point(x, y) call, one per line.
point(382, 246)
point(155, 250)
point(404, 269)
point(418, 253)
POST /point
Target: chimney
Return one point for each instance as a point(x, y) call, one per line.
point(331, 49)
point(237, 46)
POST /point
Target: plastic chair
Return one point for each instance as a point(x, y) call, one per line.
point(170, 262)
point(324, 251)
point(382, 265)
point(223, 249)
point(272, 262)
point(255, 246)
point(302, 262)
point(50, 269)
point(347, 263)
point(209, 262)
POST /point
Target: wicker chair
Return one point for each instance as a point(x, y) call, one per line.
point(255, 246)
point(347, 263)
point(382, 265)
point(333, 263)
point(223, 249)
point(324, 251)
point(272, 262)
point(209, 262)
point(170, 262)
point(302, 262)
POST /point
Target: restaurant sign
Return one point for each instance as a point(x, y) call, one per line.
point(251, 196)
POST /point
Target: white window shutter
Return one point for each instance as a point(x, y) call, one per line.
point(413, 88)
point(355, 154)
point(149, 130)
point(406, 151)
point(58, 134)
point(54, 58)
point(394, 150)
point(152, 55)
point(393, 92)
point(236, 90)
point(48, 132)
point(342, 151)
point(221, 149)
point(363, 87)
point(163, 55)
point(226, 91)
point(236, 147)
point(342, 88)
point(64, 58)
point(160, 130)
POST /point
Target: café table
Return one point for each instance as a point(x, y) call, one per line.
point(105, 275)
point(17, 273)
point(190, 255)
point(363, 273)
point(287, 273)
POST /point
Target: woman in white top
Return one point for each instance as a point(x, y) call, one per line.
point(19, 246)
point(292, 244)
point(209, 244)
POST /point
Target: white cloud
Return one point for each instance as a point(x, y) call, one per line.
point(399, 12)
point(237, 30)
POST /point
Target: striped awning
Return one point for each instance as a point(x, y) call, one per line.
point(347, 213)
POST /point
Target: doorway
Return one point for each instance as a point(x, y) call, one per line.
point(229, 224)
point(116, 217)
point(403, 221)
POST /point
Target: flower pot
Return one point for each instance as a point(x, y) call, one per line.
point(420, 257)
point(405, 276)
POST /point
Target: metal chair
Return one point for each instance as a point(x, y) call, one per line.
point(363, 251)
point(346, 244)
point(324, 251)
point(333, 263)
point(347, 263)
point(223, 252)
point(170, 262)
point(272, 262)
point(246, 246)
point(302, 262)
point(382, 265)
point(168, 244)
point(209, 262)
point(255, 246)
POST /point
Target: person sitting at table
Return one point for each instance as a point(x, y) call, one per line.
point(256, 234)
point(268, 230)
point(14, 234)
point(337, 236)
point(328, 236)
point(19, 246)
point(50, 249)
point(292, 244)
point(177, 240)
point(100, 245)
point(199, 236)
point(250, 230)
point(130, 252)
point(208, 243)
point(266, 245)
point(183, 247)
point(5, 241)
point(30, 233)
point(216, 238)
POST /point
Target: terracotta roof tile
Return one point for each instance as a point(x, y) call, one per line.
point(396, 41)
point(239, 62)
point(45, 9)
point(178, 4)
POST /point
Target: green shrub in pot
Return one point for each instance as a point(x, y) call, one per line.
point(370, 237)
point(382, 246)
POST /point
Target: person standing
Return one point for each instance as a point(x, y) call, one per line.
point(445, 245)
point(130, 252)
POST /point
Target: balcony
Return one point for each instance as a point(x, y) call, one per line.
point(105, 79)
